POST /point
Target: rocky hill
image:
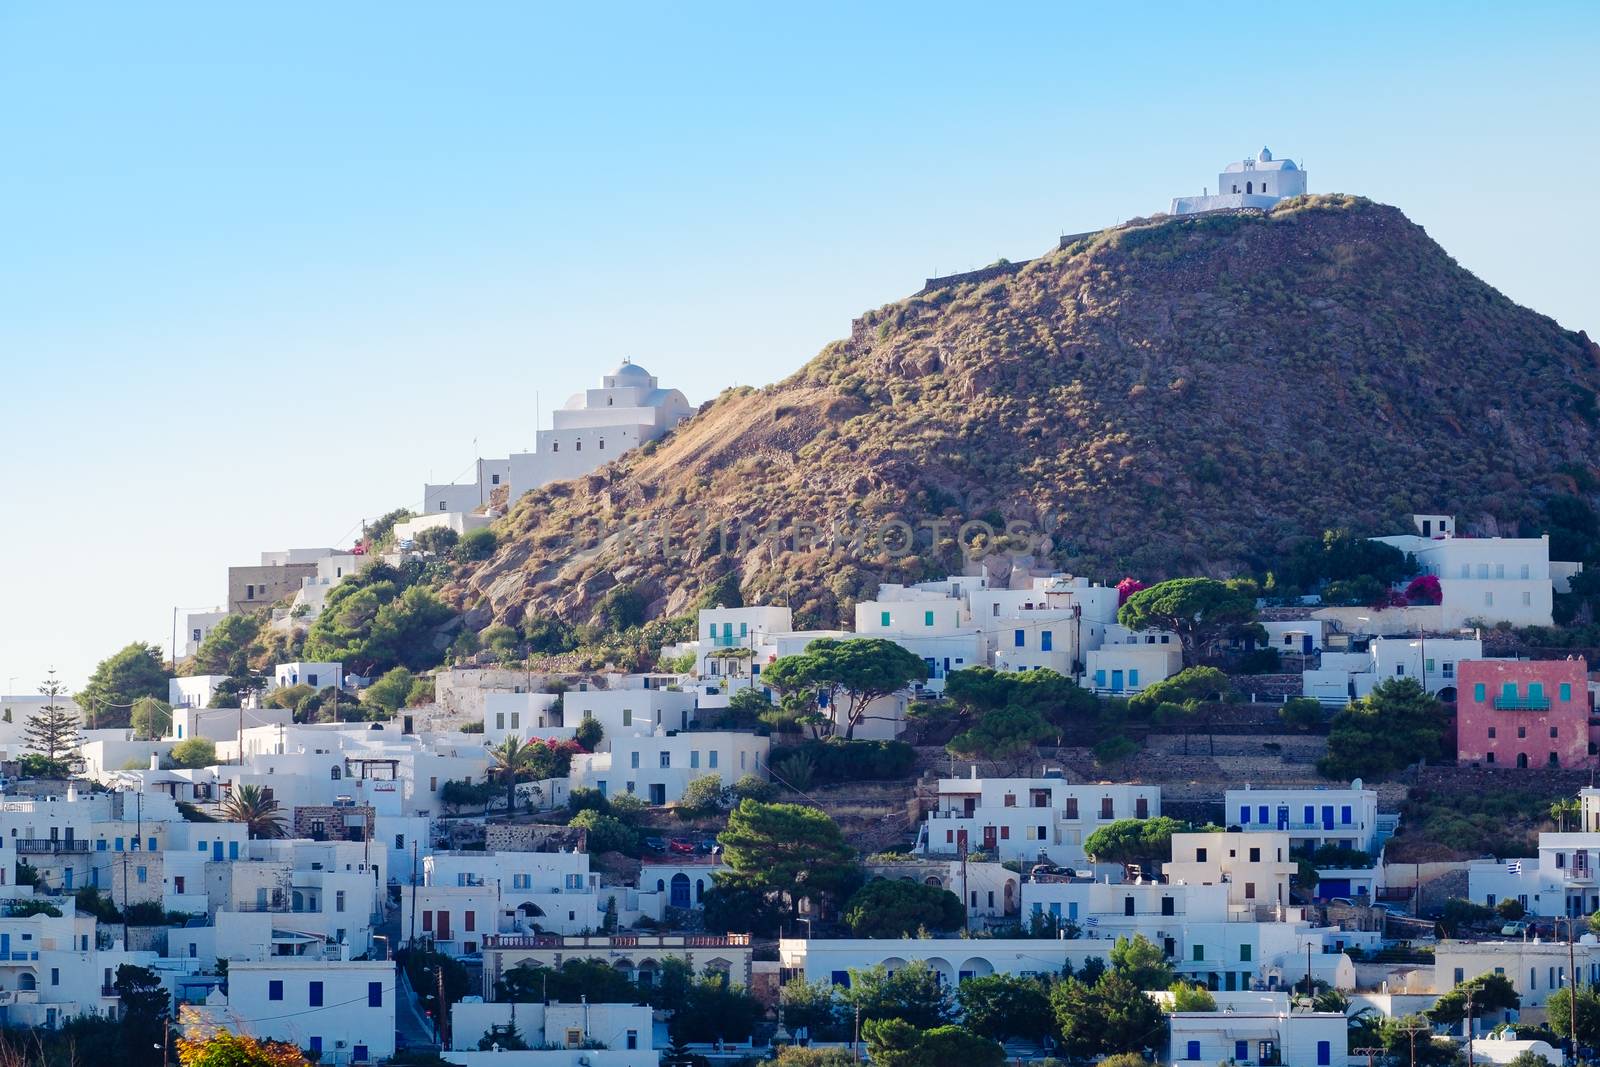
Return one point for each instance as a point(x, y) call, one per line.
point(1175, 395)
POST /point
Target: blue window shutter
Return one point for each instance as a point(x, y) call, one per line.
point(1017, 638)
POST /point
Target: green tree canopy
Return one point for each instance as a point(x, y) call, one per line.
point(374, 622)
point(912, 994)
point(574, 980)
point(1141, 961)
point(150, 718)
point(1489, 993)
point(849, 675)
point(1111, 1016)
point(388, 694)
point(893, 908)
point(1146, 842)
point(1005, 1007)
point(135, 672)
point(786, 851)
point(896, 1043)
point(1198, 610)
point(1192, 684)
point(1192, 997)
point(1562, 1013)
point(1392, 727)
point(194, 752)
point(1003, 736)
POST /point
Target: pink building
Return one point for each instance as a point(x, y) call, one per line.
point(1523, 713)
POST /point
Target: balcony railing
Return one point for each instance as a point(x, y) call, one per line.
point(44, 844)
point(1504, 703)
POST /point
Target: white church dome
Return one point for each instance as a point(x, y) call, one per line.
point(630, 372)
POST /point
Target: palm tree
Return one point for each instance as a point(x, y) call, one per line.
point(250, 805)
point(511, 756)
point(1563, 810)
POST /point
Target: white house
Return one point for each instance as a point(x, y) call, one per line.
point(1258, 182)
point(1315, 817)
point(1128, 668)
point(624, 712)
point(313, 594)
point(1257, 1028)
point(1536, 967)
point(468, 497)
point(193, 691)
point(598, 425)
point(522, 715)
point(1255, 866)
point(194, 627)
point(1483, 579)
point(341, 1010)
point(1561, 880)
point(461, 522)
point(1028, 819)
point(1346, 676)
point(658, 768)
point(625, 1030)
point(316, 675)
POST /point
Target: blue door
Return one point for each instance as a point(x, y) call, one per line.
point(1305, 644)
point(1333, 887)
point(1116, 681)
point(1283, 816)
point(680, 890)
point(216, 851)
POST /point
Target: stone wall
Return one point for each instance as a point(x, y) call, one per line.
point(971, 277)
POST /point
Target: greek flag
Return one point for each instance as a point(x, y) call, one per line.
point(1091, 921)
point(1513, 866)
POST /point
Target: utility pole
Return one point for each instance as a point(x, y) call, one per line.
point(413, 893)
point(1572, 990)
point(1470, 991)
point(1310, 993)
point(440, 1032)
point(1412, 1031)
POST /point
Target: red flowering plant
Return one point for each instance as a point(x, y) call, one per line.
point(1424, 589)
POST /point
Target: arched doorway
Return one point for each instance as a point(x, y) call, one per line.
point(680, 891)
point(1522, 759)
point(1447, 695)
point(1249, 187)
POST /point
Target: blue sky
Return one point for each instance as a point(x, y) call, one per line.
point(267, 267)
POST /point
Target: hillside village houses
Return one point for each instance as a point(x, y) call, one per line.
point(371, 853)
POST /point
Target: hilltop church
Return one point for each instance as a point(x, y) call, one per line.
point(595, 427)
point(1259, 183)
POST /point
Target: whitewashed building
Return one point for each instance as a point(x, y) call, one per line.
point(1257, 1027)
point(1255, 182)
point(658, 768)
point(598, 425)
point(342, 1011)
point(1028, 819)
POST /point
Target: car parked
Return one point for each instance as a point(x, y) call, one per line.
point(655, 844)
point(680, 844)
